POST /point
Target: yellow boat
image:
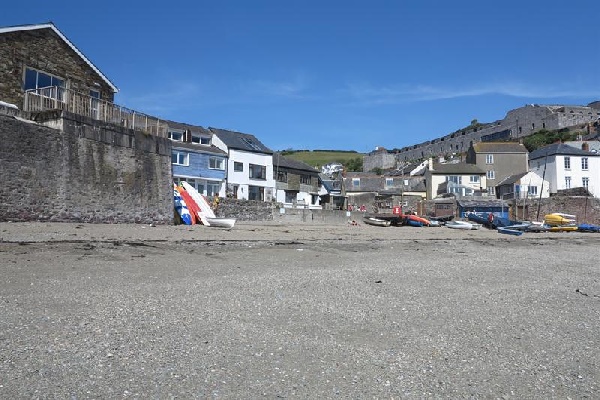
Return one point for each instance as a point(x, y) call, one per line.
point(563, 228)
point(558, 219)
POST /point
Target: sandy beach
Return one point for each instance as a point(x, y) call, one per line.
point(296, 311)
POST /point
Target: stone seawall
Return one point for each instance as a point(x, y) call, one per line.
point(82, 172)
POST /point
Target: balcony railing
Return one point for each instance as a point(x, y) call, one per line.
point(58, 98)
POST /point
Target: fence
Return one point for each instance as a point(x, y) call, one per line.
point(58, 98)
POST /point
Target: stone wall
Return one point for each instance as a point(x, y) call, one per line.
point(245, 210)
point(83, 172)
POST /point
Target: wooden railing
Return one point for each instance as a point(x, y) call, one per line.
point(58, 98)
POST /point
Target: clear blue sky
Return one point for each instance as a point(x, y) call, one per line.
point(341, 74)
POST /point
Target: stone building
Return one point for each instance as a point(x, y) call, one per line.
point(517, 123)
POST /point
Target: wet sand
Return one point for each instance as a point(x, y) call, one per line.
point(297, 311)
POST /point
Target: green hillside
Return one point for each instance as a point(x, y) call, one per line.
point(317, 158)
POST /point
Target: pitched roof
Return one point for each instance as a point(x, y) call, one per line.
point(560, 149)
point(241, 141)
point(184, 126)
point(198, 148)
point(511, 179)
point(281, 161)
point(50, 25)
point(456, 168)
point(499, 147)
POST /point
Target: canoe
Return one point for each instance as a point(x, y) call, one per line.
point(459, 225)
point(377, 221)
point(508, 231)
point(221, 222)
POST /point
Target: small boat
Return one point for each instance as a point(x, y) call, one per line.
point(509, 231)
point(588, 228)
point(377, 222)
point(563, 228)
point(412, 222)
point(459, 225)
point(416, 218)
point(537, 228)
point(556, 219)
point(221, 222)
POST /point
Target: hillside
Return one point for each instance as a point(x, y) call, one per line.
point(317, 158)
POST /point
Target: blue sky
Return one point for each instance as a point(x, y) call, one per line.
point(348, 75)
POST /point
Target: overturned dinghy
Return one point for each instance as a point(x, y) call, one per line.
point(221, 222)
point(461, 225)
point(376, 221)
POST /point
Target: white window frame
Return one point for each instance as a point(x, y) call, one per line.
point(355, 182)
point(389, 182)
point(183, 158)
point(567, 163)
point(175, 133)
point(585, 182)
point(567, 182)
point(584, 164)
point(216, 163)
point(491, 174)
point(474, 179)
point(532, 190)
point(489, 158)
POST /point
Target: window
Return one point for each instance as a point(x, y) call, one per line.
point(585, 181)
point(567, 182)
point(474, 179)
point(199, 139)
point(258, 172)
point(35, 79)
point(180, 158)
point(216, 163)
point(212, 189)
point(489, 158)
point(305, 179)
point(256, 193)
point(355, 182)
point(176, 136)
point(290, 197)
point(532, 190)
point(94, 103)
point(584, 163)
point(238, 166)
point(491, 175)
point(454, 179)
point(492, 190)
point(282, 176)
point(389, 182)
point(567, 162)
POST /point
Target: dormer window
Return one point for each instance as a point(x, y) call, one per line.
point(176, 136)
point(199, 139)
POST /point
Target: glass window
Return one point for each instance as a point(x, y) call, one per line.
point(258, 172)
point(567, 162)
point(290, 197)
point(567, 182)
point(489, 158)
point(474, 179)
point(585, 181)
point(176, 136)
point(212, 189)
point(355, 182)
point(492, 190)
point(216, 163)
point(389, 182)
point(238, 166)
point(532, 190)
point(491, 175)
point(256, 193)
point(180, 158)
point(584, 163)
point(305, 179)
point(281, 176)
point(454, 179)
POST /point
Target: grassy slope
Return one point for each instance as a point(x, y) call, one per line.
point(320, 158)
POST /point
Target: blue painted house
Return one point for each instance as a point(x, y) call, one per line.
point(196, 160)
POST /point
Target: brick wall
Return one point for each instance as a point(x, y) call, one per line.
point(83, 172)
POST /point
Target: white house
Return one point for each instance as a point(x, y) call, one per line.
point(459, 178)
point(528, 185)
point(249, 165)
point(566, 167)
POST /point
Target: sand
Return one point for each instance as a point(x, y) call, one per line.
point(296, 311)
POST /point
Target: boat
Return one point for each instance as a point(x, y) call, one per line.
point(509, 231)
point(556, 219)
point(588, 228)
point(415, 219)
point(563, 228)
point(480, 218)
point(537, 228)
point(459, 225)
point(523, 226)
point(377, 222)
point(220, 222)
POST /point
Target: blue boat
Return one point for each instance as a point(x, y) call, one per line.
point(412, 222)
point(588, 228)
point(508, 231)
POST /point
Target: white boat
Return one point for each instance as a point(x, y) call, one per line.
point(221, 222)
point(462, 225)
point(376, 221)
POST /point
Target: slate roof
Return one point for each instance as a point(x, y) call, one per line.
point(281, 161)
point(457, 168)
point(192, 128)
point(560, 149)
point(50, 25)
point(511, 179)
point(241, 141)
point(198, 148)
point(499, 147)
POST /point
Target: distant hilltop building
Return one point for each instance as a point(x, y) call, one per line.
point(518, 123)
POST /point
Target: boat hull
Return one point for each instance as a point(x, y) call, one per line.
point(221, 222)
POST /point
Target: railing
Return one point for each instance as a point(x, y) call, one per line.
point(58, 98)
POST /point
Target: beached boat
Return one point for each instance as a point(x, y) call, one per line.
point(563, 228)
point(221, 222)
point(377, 221)
point(537, 228)
point(416, 218)
point(557, 219)
point(508, 231)
point(588, 228)
point(412, 222)
point(459, 225)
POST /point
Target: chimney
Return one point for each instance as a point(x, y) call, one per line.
point(585, 146)
point(430, 163)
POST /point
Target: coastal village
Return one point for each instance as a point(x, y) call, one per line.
point(71, 154)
